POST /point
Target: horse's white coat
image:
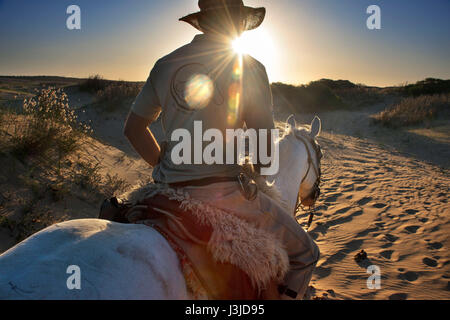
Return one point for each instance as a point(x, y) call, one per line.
point(117, 261)
point(293, 163)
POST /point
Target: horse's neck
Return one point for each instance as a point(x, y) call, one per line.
point(293, 162)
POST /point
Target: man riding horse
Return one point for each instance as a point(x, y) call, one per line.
point(206, 81)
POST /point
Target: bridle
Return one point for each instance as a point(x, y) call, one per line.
point(316, 189)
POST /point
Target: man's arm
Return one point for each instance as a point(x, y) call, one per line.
point(141, 138)
point(258, 109)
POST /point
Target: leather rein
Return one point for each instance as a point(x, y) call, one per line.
point(317, 172)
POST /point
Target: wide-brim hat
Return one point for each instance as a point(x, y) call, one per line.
point(252, 17)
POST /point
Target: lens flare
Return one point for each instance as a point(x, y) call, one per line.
point(234, 92)
point(199, 91)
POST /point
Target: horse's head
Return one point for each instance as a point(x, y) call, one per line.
point(309, 189)
point(300, 156)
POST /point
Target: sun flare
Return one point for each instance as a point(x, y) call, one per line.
point(258, 44)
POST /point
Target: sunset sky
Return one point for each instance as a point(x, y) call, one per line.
point(300, 40)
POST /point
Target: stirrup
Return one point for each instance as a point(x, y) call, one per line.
point(114, 209)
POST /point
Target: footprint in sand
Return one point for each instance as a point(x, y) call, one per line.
point(434, 245)
point(409, 276)
point(322, 272)
point(430, 262)
point(391, 238)
point(386, 254)
point(398, 296)
point(331, 292)
point(379, 205)
point(412, 229)
point(342, 210)
point(364, 201)
point(411, 211)
point(332, 198)
point(322, 207)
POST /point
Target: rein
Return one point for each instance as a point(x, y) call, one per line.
point(317, 171)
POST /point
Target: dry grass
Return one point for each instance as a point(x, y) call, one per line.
point(324, 95)
point(116, 94)
point(47, 128)
point(360, 96)
point(45, 165)
point(94, 84)
point(412, 111)
point(110, 95)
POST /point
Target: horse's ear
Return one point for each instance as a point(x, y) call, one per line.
point(316, 126)
point(290, 122)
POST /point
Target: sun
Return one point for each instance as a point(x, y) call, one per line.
point(258, 44)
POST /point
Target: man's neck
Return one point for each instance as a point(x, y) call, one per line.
point(218, 37)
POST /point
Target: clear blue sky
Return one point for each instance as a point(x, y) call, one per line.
point(308, 39)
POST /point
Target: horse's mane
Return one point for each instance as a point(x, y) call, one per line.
point(270, 189)
point(264, 186)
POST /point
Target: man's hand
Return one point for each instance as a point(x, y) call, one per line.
point(141, 138)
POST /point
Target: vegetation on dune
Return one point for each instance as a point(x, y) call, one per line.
point(110, 95)
point(324, 95)
point(43, 161)
point(419, 103)
point(429, 86)
point(305, 98)
point(48, 127)
point(414, 110)
point(94, 84)
point(117, 94)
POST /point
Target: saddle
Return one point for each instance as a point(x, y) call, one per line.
point(189, 238)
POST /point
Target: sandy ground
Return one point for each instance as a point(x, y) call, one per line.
point(384, 191)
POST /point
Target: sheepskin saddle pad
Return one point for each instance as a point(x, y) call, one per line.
point(221, 255)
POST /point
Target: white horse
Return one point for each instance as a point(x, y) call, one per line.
point(131, 261)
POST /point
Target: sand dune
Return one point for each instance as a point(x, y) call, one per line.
point(384, 191)
point(376, 197)
point(393, 206)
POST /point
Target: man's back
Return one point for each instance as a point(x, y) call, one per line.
point(204, 83)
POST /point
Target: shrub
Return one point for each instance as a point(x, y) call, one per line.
point(113, 184)
point(48, 127)
point(414, 110)
point(86, 175)
point(115, 94)
point(428, 86)
point(94, 84)
point(313, 97)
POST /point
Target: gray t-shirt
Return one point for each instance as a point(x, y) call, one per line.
point(206, 81)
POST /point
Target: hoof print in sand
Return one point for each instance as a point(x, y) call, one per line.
point(411, 229)
point(409, 276)
point(398, 296)
point(430, 262)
